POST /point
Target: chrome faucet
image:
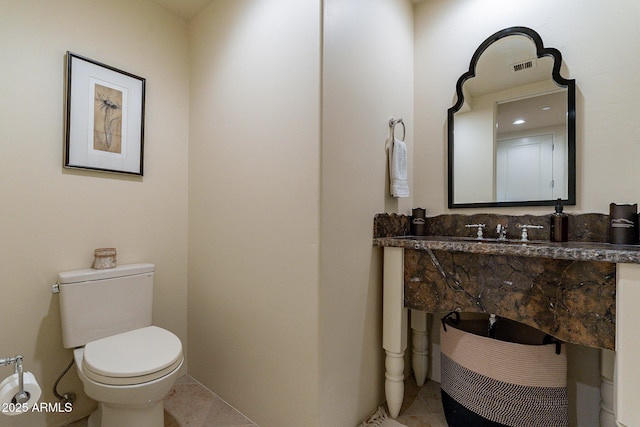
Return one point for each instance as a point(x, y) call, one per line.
point(501, 231)
point(524, 227)
point(480, 227)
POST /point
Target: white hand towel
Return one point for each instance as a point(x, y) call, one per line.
point(399, 185)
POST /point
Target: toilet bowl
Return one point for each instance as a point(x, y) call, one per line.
point(129, 374)
point(126, 364)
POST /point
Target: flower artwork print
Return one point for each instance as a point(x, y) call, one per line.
point(107, 117)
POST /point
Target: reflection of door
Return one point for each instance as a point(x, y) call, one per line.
point(524, 168)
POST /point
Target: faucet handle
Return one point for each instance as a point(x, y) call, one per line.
point(480, 227)
point(524, 228)
point(501, 231)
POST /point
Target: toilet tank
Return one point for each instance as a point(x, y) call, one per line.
point(99, 303)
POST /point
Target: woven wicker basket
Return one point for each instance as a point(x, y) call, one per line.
point(517, 379)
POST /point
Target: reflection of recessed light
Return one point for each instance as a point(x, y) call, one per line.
point(519, 122)
point(546, 108)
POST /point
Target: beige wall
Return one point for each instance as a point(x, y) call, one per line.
point(254, 194)
point(367, 79)
point(52, 218)
point(599, 42)
point(272, 194)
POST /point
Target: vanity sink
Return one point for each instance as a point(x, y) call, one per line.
point(451, 233)
point(579, 251)
point(570, 290)
point(474, 240)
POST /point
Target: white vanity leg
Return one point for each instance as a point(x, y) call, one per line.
point(626, 384)
point(394, 327)
point(394, 382)
point(607, 367)
point(420, 346)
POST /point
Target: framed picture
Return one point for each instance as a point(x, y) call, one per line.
point(104, 118)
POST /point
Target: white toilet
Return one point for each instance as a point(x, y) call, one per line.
point(124, 362)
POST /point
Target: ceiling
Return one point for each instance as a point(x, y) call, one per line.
point(540, 111)
point(186, 9)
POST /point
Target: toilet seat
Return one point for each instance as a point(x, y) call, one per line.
point(132, 357)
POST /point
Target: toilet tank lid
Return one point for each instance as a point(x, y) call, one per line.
point(77, 276)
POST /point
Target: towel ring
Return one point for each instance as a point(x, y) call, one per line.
point(392, 125)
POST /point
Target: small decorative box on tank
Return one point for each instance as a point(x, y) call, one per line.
point(104, 258)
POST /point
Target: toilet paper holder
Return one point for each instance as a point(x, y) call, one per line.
point(22, 396)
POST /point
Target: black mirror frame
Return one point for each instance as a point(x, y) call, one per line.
point(570, 84)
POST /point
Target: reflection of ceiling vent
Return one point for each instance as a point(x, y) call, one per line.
point(524, 65)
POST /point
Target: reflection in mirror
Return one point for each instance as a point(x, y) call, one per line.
point(531, 148)
point(514, 126)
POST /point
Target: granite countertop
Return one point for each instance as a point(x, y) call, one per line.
point(579, 251)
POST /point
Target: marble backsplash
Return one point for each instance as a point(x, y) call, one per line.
point(591, 227)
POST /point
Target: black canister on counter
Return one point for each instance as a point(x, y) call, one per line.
point(623, 224)
point(418, 221)
point(559, 224)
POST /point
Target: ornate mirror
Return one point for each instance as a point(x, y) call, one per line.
point(511, 132)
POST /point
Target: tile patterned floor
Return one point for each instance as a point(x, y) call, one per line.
point(422, 406)
point(189, 404)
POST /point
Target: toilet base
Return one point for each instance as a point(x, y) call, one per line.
point(119, 416)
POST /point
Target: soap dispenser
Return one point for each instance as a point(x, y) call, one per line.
point(559, 224)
